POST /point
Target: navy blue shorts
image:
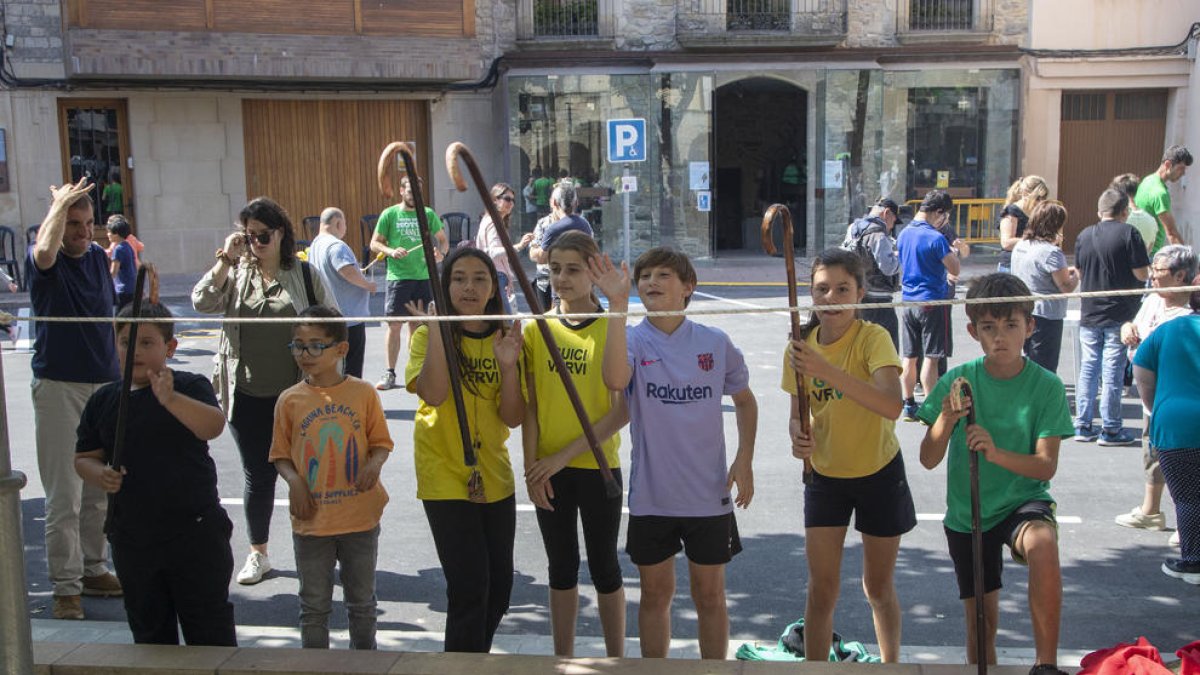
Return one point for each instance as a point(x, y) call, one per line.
point(881, 503)
point(400, 293)
point(994, 541)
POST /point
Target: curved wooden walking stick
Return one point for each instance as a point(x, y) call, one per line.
point(797, 332)
point(475, 488)
point(960, 389)
point(453, 154)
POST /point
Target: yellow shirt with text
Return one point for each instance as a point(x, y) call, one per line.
point(438, 451)
point(582, 349)
point(851, 441)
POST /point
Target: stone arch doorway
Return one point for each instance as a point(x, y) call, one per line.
point(760, 149)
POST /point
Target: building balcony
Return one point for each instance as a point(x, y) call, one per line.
point(565, 24)
point(927, 21)
point(761, 23)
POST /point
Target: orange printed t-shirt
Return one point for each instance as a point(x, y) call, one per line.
point(327, 432)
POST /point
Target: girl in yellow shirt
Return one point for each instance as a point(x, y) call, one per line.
point(474, 539)
point(562, 476)
point(851, 376)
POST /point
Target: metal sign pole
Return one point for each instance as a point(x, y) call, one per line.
point(625, 208)
point(16, 637)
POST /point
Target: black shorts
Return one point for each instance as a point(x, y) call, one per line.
point(926, 331)
point(882, 503)
point(711, 540)
point(399, 293)
point(994, 541)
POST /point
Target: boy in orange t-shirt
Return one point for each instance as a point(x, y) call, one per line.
point(332, 427)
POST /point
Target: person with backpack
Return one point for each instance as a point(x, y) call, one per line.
point(871, 238)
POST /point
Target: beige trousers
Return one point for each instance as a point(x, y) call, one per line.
point(75, 511)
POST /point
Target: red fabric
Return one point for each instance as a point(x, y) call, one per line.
point(1191, 659)
point(1141, 658)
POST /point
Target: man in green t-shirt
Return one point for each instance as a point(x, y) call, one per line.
point(541, 191)
point(1021, 417)
point(1154, 198)
point(398, 237)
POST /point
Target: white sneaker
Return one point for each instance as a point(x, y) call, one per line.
point(1136, 518)
point(388, 381)
point(256, 567)
point(1174, 540)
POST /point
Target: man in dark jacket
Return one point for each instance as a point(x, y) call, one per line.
point(871, 237)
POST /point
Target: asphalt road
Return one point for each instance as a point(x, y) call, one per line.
point(1113, 589)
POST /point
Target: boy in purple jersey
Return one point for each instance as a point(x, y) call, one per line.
point(675, 373)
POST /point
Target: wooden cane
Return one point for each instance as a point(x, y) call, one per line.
point(386, 161)
point(797, 332)
point(453, 153)
point(976, 539)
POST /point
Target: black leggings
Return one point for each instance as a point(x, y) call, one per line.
point(252, 423)
point(475, 546)
point(1045, 345)
point(358, 346)
point(581, 491)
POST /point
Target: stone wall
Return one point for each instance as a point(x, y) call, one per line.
point(36, 29)
point(645, 25)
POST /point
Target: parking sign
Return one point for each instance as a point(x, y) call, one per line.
point(627, 140)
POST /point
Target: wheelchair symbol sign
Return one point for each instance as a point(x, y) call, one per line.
point(627, 140)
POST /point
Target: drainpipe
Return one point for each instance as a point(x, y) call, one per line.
point(16, 638)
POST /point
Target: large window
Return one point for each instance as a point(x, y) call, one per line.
point(947, 140)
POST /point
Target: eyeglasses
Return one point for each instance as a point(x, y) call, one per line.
point(314, 349)
point(505, 198)
point(263, 238)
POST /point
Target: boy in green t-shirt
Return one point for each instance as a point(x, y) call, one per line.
point(1021, 418)
point(398, 237)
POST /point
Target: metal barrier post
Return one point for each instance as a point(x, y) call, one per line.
point(16, 637)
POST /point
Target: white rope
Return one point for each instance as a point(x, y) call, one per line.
point(599, 315)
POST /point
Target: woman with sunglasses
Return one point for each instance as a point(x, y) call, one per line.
point(488, 240)
point(256, 274)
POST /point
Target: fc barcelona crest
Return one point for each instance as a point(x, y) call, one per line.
point(705, 361)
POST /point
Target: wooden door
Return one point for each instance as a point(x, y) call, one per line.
point(308, 155)
point(1105, 134)
point(94, 140)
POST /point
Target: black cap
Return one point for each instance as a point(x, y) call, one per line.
point(890, 205)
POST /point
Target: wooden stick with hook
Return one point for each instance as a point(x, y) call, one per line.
point(386, 161)
point(797, 332)
point(458, 151)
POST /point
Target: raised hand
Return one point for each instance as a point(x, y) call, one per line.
point(507, 345)
point(162, 384)
point(65, 195)
point(613, 282)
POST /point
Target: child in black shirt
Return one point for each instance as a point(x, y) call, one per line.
point(169, 534)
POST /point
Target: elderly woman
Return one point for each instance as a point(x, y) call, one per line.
point(1167, 370)
point(1173, 266)
point(256, 274)
point(1039, 262)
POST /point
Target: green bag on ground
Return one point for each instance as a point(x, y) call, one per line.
point(790, 647)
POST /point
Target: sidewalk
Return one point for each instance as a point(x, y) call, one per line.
point(112, 632)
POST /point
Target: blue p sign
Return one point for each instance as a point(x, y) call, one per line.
point(627, 140)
